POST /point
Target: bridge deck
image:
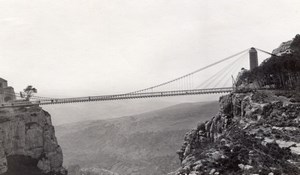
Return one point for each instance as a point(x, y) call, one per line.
point(119, 97)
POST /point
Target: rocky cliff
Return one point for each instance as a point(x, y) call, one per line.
point(28, 143)
point(254, 133)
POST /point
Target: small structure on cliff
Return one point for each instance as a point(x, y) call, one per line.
point(253, 58)
point(7, 93)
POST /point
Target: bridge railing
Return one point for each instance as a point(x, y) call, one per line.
point(119, 97)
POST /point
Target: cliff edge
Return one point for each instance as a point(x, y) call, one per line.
point(257, 130)
point(28, 143)
point(254, 133)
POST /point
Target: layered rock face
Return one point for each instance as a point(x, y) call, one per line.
point(254, 133)
point(28, 142)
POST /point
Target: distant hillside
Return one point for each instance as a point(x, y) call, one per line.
point(142, 144)
point(77, 112)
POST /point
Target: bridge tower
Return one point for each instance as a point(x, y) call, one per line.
point(253, 58)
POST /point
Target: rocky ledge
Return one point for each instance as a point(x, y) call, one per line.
point(255, 132)
point(28, 143)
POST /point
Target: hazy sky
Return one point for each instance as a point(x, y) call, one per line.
point(93, 47)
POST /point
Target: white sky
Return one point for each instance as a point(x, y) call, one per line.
point(94, 47)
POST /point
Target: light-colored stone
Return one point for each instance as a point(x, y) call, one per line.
point(29, 132)
point(44, 164)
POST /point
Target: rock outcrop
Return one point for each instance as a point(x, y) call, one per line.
point(28, 142)
point(284, 48)
point(288, 47)
point(254, 133)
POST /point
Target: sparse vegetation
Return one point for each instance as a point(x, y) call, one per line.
point(28, 92)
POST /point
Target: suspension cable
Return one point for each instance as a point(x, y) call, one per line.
point(224, 73)
point(194, 72)
point(229, 77)
point(212, 78)
point(233, 67)
point(266, 52)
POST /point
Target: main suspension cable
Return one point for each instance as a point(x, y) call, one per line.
point(194, 72)
point(209, 80)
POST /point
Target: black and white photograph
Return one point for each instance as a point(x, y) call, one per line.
point(149, 87)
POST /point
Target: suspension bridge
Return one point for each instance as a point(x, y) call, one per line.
point(220, 82)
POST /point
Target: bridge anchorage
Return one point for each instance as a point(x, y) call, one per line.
point(219, 82)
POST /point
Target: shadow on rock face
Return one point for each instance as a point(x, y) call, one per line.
point(23, 165)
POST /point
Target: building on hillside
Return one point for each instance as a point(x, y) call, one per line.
point(7, 93)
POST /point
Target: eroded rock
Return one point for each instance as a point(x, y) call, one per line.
point(28, 132)
point(247, 136)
